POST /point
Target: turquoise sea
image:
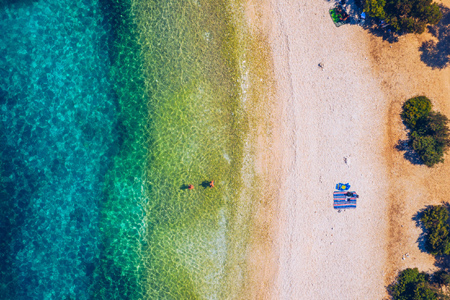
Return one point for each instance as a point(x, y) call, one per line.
point(109, 109)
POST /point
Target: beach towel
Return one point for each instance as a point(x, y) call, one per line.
point(341, 201)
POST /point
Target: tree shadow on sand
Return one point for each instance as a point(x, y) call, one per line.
point(385, 33)
point(409, 153)
point(436, 54)
point(421, 240)
point(443, 262)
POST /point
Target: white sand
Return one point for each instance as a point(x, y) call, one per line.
point(327, 115)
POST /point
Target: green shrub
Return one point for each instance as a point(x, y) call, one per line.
point(412, 284)
point(414, 109)
point(375, 8)
point(426, 148)
point(424, 292)
point(410, 16)
point(441, 277)
point(435, 221)
point(430, 135)
point(435, 125)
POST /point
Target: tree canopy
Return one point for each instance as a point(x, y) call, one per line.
point(414, 109)
point(435, 221)
point(411, 16)
point(412, 284)
point(430, 135)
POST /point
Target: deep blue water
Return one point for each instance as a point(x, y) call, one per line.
point(57, 138)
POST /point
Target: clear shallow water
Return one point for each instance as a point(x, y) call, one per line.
point(191, 64)
point(108, 110)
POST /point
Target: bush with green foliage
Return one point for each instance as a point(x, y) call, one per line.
point(442, 278)
point(411, 16)
point(375, 8)
point(435, 221)
point(430, 135)
point(413, 285)
point(427, 149)
point(414, 109)
point(430, 138)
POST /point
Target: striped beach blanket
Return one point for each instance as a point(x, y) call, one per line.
point(341, 201)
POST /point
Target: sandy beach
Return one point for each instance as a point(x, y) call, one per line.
point(330, 116)
point(341, 123)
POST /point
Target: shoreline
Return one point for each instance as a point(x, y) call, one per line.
point(263, 112)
